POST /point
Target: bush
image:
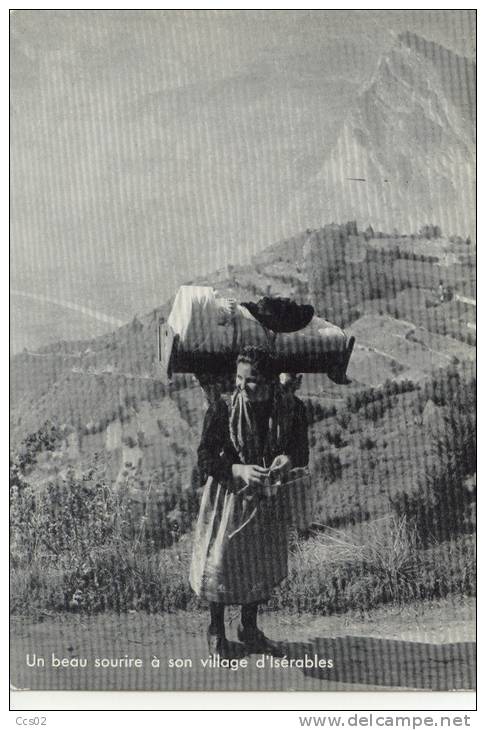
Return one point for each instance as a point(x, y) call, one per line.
point(316, 411)
point(367, 443)
point(395, 387)
point(64, 519)
point(447, 384)
point(328, 465)
point(442, 504)
point(377, 409)
point(44, 439)
point(333, 573)
point(335, 437)
point(77, 543)
point(355, 401)
point(115, 578)
point(344, 418)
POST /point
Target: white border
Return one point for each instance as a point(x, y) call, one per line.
point(70, 703)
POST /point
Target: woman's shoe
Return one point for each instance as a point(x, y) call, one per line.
point(256, 641)
point(218, 645)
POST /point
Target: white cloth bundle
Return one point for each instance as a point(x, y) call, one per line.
point(195, 316)
point(208, 323)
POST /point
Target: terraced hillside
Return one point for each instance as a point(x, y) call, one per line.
point(398, 442)
point(405, 306)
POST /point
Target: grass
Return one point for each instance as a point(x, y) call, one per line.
point(333, 571)
point(336, 571)
point(119, 578)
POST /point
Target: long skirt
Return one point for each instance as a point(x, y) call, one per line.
point(240, 546)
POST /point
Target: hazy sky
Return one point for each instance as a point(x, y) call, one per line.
point(148, 146)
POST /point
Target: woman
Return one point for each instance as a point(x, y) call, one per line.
point(240, 546)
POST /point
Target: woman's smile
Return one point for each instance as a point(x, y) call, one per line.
point(252, 382)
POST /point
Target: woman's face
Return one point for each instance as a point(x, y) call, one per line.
point(256, 386)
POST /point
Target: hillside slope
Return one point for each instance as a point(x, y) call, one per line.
point(111, 408)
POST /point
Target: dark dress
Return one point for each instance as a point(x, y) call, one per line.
point(240, 543)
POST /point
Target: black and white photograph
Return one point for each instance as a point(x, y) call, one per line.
point(243, 350)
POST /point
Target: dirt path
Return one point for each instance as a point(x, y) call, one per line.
point(427, 646)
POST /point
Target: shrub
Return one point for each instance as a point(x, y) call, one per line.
point(80, 544)
point(441, 505)
point(395, 387)
point(114, 578)
point(343, 418)
point(67, 518)
point(335, 437)
point(377, 409)
point(316, 411)
point(328, 465)
point(447, 384)
point(45, 438)
point(335, 572)
point(367, 443)
point(355, 401)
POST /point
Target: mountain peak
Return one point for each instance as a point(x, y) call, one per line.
point(405, 154)
point(427, 48)
point(418, 43)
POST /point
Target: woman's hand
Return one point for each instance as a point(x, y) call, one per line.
point(250, 475)
point(281, 465)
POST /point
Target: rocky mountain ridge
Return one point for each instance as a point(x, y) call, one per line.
point(406, 152)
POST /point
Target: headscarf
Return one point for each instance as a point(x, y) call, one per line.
point(244, 431)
